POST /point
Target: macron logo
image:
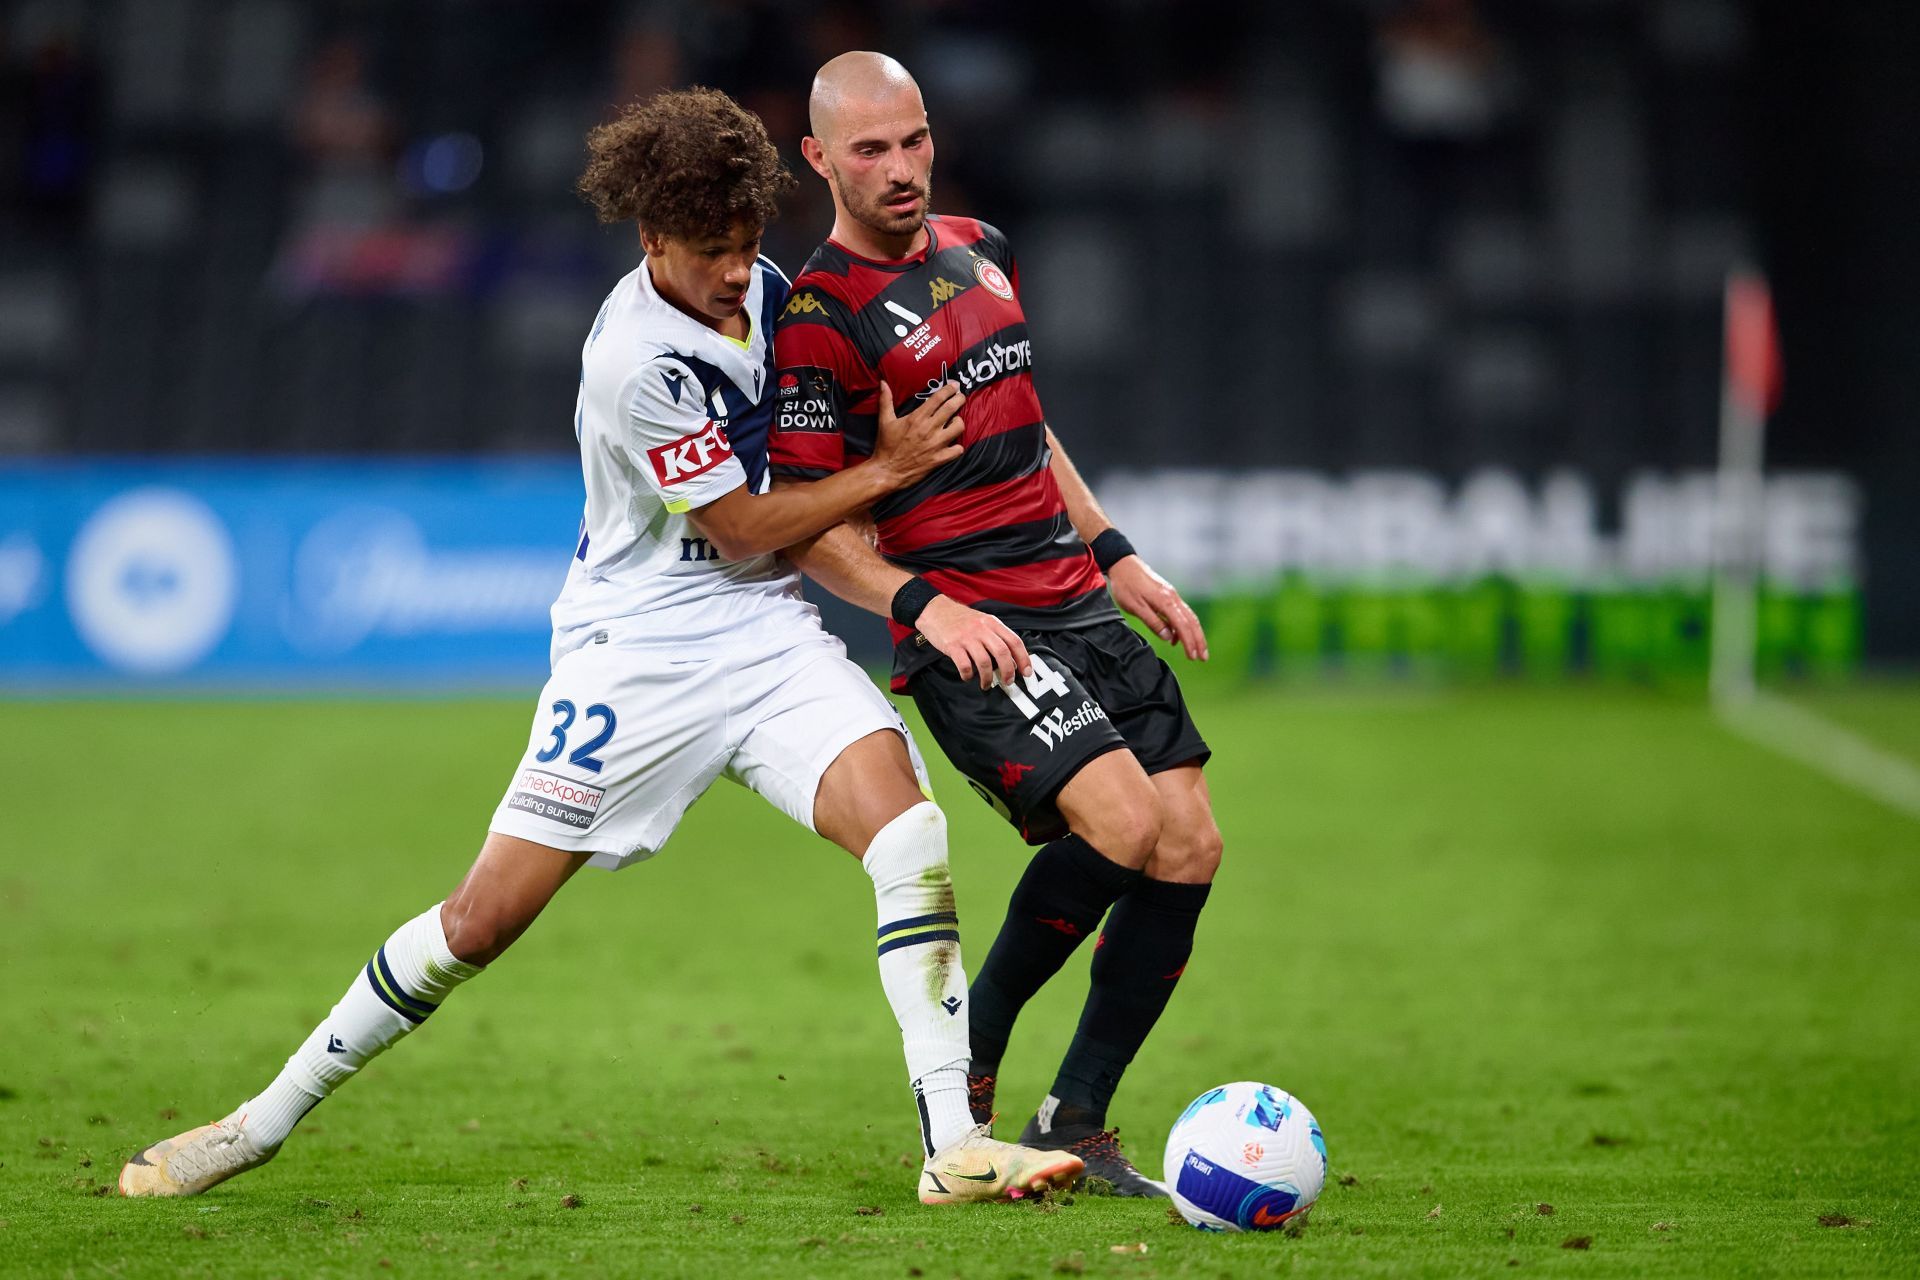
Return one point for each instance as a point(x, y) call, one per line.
point(690, 456)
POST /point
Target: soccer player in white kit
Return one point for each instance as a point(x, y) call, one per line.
point(682, 653)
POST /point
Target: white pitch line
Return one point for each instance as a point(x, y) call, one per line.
point(1825, 747)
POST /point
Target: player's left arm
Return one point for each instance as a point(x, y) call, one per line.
point(1136, 587)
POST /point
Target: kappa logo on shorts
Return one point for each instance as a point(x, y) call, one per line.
point(547, 795)
point(1011, 771)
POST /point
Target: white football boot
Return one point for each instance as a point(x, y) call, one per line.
point(191, 1162)
point(980, 1167)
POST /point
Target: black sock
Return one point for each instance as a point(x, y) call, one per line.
point(1059, 901)
point(1136, 964)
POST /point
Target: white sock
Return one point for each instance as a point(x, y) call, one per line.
point(401, 986)
point(920, 966)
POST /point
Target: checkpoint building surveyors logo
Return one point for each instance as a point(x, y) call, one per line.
point(547, 795)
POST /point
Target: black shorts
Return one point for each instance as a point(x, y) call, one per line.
point(1093, 690)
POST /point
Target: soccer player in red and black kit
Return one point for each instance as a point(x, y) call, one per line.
point(1000, 573)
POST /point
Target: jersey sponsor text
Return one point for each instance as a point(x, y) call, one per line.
point(691, 455)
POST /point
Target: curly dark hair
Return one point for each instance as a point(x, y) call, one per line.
point(688, 163)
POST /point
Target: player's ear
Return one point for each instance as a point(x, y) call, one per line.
point(652, 243)
point(816, 154)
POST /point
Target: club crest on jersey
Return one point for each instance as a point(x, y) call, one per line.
point(801, 304)
point(803, 400)
point(989, 274)
point(690, 456)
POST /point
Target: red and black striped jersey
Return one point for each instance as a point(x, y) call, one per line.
point(990, 528)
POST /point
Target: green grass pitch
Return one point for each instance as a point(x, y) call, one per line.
point(1517, 948)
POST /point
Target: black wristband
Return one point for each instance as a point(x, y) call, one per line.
point(912, 599)
point(1110, 548)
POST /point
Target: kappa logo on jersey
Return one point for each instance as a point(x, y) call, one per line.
point(989, 274)
point(803, 400)
point(801, 304)
point(943, 289)
point(690, 456)
point(558, 799)
point(1057, 726)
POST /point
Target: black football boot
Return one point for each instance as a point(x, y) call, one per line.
point(1106, 1163)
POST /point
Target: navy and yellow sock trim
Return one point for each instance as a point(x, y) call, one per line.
point(940, 926)
point(392, 994)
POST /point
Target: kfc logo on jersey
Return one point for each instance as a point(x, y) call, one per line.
point(995, 280)
point(690, 456)
point(803, 401)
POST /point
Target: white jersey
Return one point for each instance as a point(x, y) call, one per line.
point(671, 416)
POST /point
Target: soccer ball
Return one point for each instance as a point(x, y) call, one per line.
point(1245, 1157)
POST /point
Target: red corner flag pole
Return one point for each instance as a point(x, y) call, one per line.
point(1749, 390)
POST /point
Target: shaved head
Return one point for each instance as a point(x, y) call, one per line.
point(856, 81)
point(872, 144)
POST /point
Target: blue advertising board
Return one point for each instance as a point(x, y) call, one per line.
point(266, 575)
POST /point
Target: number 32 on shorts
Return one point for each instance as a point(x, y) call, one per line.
point(582, 755)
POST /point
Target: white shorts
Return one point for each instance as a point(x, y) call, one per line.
point(627, 737)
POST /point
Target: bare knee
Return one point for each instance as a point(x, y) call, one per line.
point(866, 787)
point(476, 934)
point(1126, 831)
point(1188, 853)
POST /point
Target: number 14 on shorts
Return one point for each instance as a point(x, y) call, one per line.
point(1044, 682)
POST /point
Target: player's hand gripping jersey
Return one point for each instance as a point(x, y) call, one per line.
point(671, 415)
point(990, 528)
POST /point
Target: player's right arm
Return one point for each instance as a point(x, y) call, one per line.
point(845, 563)
point(741, 524)
point(687, 459)
point(823, 414)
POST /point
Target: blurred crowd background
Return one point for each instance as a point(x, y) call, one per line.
point(1319, 236)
